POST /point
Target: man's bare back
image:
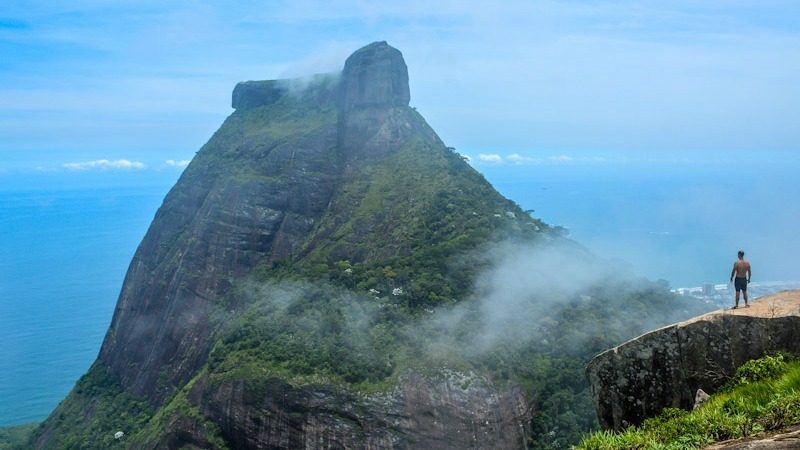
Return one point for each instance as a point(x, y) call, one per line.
point(741, 268)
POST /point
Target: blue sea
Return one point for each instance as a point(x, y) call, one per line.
point(65, 247)
point(675, 222)
point(63, 256)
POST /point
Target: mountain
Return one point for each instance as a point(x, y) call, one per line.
point(327, 273)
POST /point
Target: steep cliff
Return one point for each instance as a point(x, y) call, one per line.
point(311, 282)
point(666, 367)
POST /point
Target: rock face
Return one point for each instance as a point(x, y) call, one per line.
point(320, 88)
point(217, 224)
point(666, 367)
point(252, 94)
point(375, 76)
point(455, 411)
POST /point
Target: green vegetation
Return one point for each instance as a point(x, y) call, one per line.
point(179, 409)
point(305, 333)
point(757, 370)
point(97, 409)
point(403, 221)
point(320, 334)
point(13, 437)
point(763, 395)
point(262, 144)
point(93, 412)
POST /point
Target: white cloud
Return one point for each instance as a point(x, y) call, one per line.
point(520, 159)
point(516, 158)
point(561, 158)
point(177, 163)
point(104, 164)
point(490, 157)
point(566, 159)
point(327, 59)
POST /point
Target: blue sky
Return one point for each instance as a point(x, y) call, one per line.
point(138, 83)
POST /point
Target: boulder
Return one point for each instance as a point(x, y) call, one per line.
point(664, 368)
point(700, 398)
point(252, 94)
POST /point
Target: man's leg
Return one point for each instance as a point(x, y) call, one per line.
point(744, 292)
point(737, 299)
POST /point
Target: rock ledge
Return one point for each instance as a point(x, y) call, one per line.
point(664, 368)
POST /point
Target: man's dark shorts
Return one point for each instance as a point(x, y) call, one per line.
point(740, 284)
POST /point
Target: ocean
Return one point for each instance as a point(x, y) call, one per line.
point(63, 256)
point(64, 251)
point(680, 223)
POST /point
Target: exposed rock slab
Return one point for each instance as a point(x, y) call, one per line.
point(666, 367)
point(785, 439)
point(252, 94)
point(215, 225)
point(450, 411)
point(375, 76)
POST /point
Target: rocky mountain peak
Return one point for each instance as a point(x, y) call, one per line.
point(375, 76)
point(329, 181)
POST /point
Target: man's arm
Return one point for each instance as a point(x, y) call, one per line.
point(749, 273)
point(733, 271)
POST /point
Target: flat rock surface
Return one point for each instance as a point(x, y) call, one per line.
point(784, 439)
point(782, 304)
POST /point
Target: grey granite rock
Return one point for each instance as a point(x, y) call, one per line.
point(664, 368)
point(375, 76)
point(450, 411)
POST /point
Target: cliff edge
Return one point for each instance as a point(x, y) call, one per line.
point(665, 368)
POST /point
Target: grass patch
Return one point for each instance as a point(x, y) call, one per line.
point(763, 395)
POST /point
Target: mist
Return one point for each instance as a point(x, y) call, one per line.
point(544, 295)
point(680, 221)
point(299, 86)
point(524, 301)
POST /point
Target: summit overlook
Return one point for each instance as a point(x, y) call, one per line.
point(328, 274)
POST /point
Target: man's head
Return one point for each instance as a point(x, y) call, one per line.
point(741, 254)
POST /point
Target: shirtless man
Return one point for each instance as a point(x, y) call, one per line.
point(741, 269)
